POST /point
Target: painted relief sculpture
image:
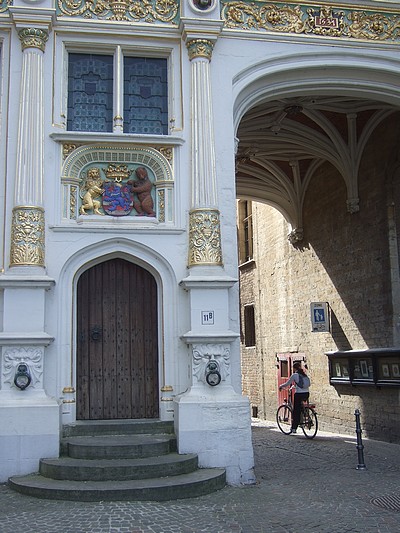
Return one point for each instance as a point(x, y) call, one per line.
point(142, 187)
point(115, 195)
point(90, 191)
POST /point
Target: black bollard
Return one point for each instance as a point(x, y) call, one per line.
point(360, 446)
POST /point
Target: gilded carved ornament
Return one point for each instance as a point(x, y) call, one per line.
point(5, 4)
point(150, 11)
point(72, 202)
point(200, 48)
point(167, 152)
point(204, 237)
point(161, 205)
point(33, 38)
point(27, 236)
point(68, 148)
point(327, 21)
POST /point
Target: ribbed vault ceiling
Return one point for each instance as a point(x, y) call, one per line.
point(282, 143)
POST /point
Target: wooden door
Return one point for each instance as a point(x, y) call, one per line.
point(117, 348)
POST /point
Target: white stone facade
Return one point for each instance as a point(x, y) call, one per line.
point(215, 74)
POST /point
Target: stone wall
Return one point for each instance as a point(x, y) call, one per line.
point(344, 259)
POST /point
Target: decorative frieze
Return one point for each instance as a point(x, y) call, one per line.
point(27, 236)
point(305, 19)
point(204, 237)
point(148, 11)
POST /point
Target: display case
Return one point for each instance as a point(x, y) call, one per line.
point(379, 367)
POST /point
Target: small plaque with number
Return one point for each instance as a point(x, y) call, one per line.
point(207, 318)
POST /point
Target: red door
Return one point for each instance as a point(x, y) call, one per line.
point(117, 342)
point(285, 369)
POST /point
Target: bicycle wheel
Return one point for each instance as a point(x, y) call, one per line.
point(310, 422)
point(284, 418)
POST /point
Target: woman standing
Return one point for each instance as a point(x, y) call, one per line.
point(301, 394)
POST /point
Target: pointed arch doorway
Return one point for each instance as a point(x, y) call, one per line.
point(117, 342)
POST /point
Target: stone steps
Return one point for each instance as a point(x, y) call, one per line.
point(118, 460)
point(119, 446)
point(68, 468)
point(197, 483)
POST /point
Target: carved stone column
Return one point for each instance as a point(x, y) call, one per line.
point(204, 219)
point(27, 232)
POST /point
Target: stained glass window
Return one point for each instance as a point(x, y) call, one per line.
point(145, 95)
point(90, 92)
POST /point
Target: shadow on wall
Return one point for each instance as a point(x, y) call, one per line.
point(338, 335)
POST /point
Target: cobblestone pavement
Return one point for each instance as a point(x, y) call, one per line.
point(302, 486)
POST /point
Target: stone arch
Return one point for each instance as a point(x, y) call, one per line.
point(343, 73)
point(83, 260)
point(370, 75)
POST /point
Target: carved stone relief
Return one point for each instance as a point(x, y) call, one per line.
point(204, 353)
point(32, 357)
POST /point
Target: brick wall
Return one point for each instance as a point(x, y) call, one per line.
point(343, 260)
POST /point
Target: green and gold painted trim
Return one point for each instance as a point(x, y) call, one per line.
point(343, 21)
point(144, 11)
point(365, 22)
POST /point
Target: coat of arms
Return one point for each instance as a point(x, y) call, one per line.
point(117, 199)
point(117, 196)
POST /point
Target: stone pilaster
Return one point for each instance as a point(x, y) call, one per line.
point(204, 216)
point(212, 418)
point(28, 225)
point(30, 414)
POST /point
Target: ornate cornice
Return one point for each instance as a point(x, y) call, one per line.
point(200, 48)
point(33, 38)
point(312, 19)
point(204, 237)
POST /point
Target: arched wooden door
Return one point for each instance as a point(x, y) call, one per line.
point(117, 348)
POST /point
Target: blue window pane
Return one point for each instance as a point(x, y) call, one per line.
point(90, 92)
point(145, 95)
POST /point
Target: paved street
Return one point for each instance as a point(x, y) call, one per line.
point(302, 486)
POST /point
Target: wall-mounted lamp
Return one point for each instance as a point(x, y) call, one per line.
point(22, 377)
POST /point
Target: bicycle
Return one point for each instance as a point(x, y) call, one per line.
point(308, 417)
